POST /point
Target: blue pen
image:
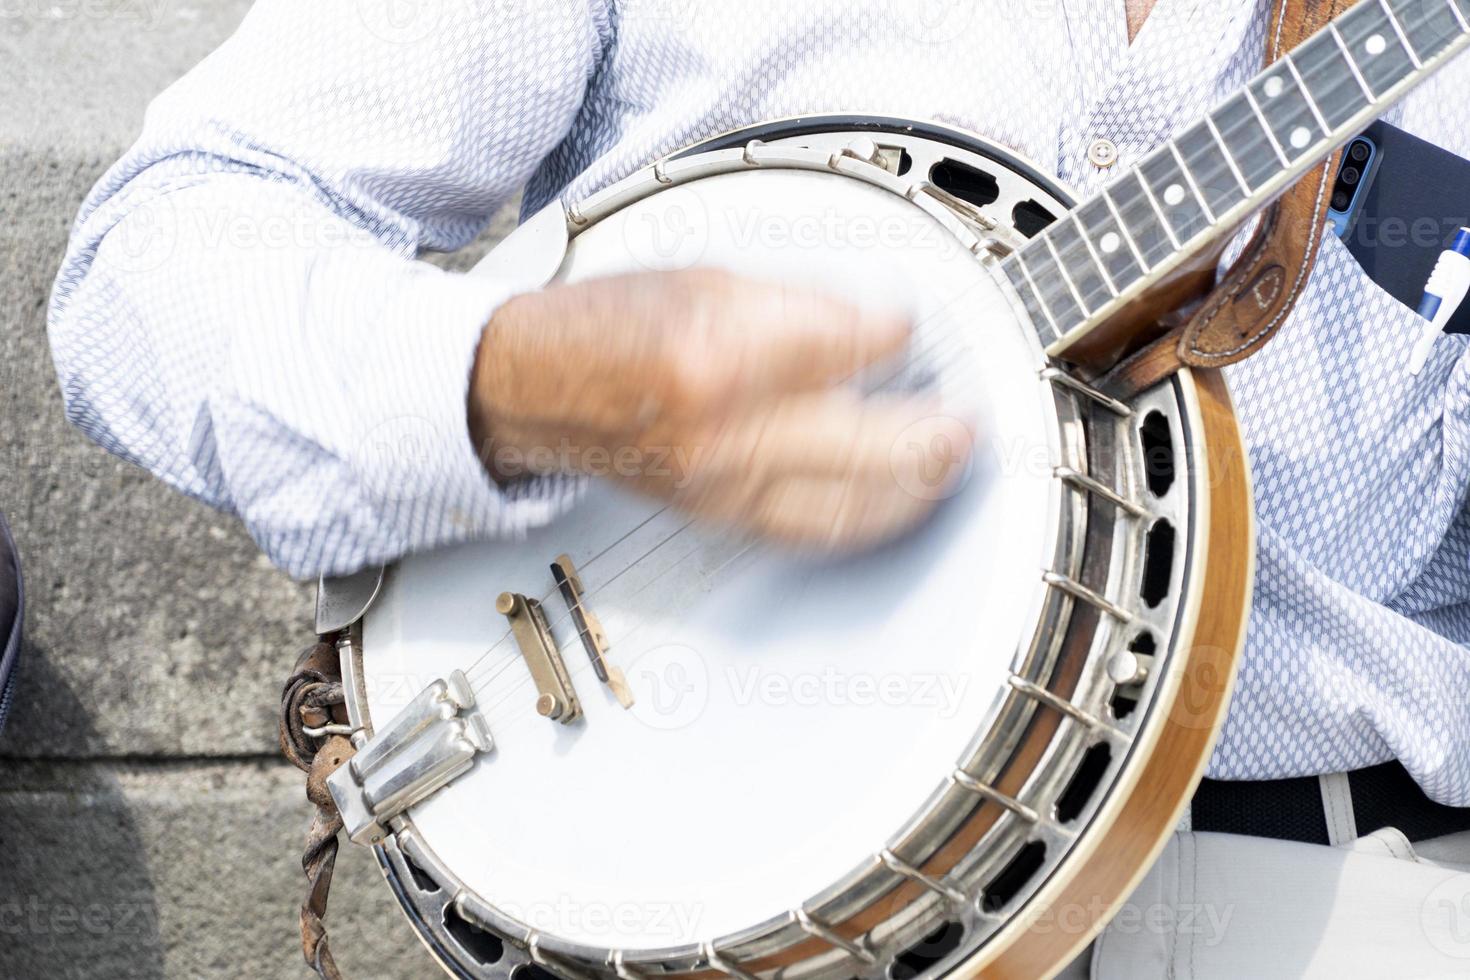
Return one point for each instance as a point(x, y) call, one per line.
point(1443, 294)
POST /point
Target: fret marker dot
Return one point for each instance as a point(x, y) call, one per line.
point(1300, 137)
point(1375, 44)
point(1273, 86)
point(1109, 242)
point(1173, 194)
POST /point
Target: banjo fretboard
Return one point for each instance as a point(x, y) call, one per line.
point(1206, 180)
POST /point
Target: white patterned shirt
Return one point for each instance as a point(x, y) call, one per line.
point(241, 310)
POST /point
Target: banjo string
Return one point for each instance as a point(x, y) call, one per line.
point(546, 597)
point(1078, 243)
point(1067, 253)
point(928, 355)
point(584, 668)
point(485, 677)
point(484, 680)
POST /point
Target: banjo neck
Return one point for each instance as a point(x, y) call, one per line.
point(1168, 215)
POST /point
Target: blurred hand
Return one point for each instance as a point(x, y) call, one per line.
point(719, 394)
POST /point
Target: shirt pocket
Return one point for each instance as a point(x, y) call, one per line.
point(1358, 464)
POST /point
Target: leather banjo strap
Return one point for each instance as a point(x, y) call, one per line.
point(1250, 302)
point(311, 701)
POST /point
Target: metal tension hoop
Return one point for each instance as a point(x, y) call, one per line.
point(430, 742)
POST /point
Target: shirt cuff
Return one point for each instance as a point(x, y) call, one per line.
point(412, 452)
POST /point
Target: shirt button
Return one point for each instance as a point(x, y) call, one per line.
point(1102, 153)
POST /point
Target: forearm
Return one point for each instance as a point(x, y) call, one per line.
point(307, 378)
point(240, 310)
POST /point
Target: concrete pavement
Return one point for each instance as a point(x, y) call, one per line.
point(147, 826)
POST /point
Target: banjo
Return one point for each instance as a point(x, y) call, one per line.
point(630, 746)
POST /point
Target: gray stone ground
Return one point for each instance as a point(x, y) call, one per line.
point(147, 825)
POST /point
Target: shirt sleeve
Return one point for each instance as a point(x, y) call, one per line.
point(240, 309)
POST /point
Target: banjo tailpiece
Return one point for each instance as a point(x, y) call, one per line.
point(1070, 631)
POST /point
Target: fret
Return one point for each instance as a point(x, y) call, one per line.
point(1123, 230)
point(1245, 138)
point(1296, 76)
point(1352, 65)
point(1332, 82)
point(1374, 47)
point(1461, 15)
point(1172, 194)
point(1211, 172)
point(1219, 142)
point(1205, 160)
point(1078, 263)
point(1101, 229)
point(1288, 111)
point(1426, 27)
point(1158, 210)
point(1051, 286)
point(1097, 259)
point(1013, 270)
point(1399, 30)
point(1138, 217)
point(1189, 179)
point(1066, 275)
point(1266, 128)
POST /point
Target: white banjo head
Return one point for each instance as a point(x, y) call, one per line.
point(790, 712)
point(800, 726)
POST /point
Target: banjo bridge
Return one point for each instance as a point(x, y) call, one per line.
point(435, 738)
point(589, 628)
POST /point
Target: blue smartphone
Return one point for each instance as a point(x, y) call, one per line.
point(1397, 202)
point(1354, 175)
